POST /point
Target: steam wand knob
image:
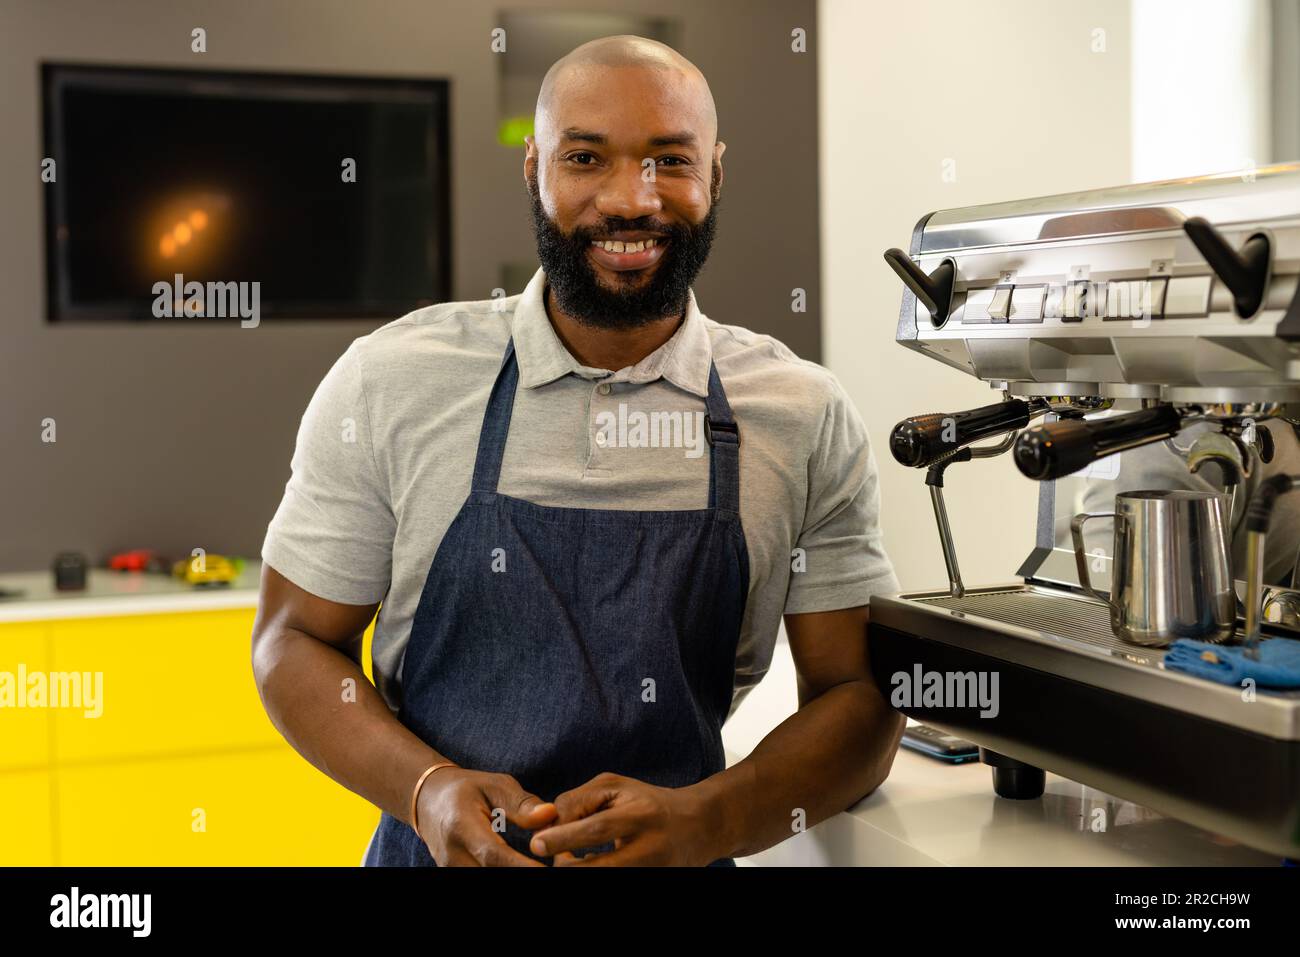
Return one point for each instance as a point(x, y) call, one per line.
point(1245, 273)
point(934, 290)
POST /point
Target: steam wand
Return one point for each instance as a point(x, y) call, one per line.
point(934, 479)
point(1258, 515)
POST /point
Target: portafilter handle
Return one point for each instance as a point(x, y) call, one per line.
point(1056, 449)
point(922, 440)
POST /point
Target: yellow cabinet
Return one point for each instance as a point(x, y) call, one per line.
point(24, 731)
point(172, 684)
point(181, 766)
point(26, 826)
point(267, 807)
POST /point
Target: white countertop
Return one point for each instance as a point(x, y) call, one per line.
point(932, 813)
point(929, 813)
point(121, 593)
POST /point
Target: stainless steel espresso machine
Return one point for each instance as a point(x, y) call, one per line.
point(1145, 343)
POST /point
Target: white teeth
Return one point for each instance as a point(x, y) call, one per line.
point(618, 246)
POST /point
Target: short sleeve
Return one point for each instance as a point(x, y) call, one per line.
point(332, 534)
point(840, 560)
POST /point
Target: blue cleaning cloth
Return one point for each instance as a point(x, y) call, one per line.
point(1278, 665)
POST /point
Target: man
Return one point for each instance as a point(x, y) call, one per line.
point(585, 509)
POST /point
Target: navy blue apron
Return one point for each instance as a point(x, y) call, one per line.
point(554, 644)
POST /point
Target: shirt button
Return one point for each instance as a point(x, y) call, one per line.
point(603, 388)
point(600, 439)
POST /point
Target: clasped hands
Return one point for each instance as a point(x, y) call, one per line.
point(646, 824)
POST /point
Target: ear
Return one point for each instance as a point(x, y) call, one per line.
point(718, 149)
point(530, 156)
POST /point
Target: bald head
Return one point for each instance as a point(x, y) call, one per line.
point(582, 67)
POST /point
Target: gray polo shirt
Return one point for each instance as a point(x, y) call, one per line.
point(386, 449)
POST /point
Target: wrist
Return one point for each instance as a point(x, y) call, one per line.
point(723, 812)
point(423, 785)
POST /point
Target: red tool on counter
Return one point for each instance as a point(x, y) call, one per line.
point(137, 560)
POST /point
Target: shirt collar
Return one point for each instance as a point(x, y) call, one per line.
point(684, 360)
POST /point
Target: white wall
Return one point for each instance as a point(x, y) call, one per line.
point(1021, 98)
point(1201, 87)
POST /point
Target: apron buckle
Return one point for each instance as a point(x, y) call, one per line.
point(726, 428)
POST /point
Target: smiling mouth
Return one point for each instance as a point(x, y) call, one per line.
point(629, 254)
point(625, 246)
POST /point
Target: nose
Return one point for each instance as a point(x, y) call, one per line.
point(626, 194)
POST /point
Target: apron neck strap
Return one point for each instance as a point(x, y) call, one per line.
point(496, 424)
point(724, 447)
point(719, 428)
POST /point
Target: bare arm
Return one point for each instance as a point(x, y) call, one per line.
point(306, 656)
point(837, 748)
point(306, 659)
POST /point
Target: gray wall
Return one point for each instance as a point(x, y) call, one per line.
point(178, 434)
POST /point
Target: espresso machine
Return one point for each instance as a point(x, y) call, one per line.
point(1144, 345)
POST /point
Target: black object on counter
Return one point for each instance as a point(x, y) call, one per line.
point(1014, 779)
point(70, 571)
point(939, 744)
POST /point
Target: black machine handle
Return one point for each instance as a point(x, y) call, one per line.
point(923, 439)
point(934, 291)
point(1260, 510)
point(1245, 273)
point(1055, 449)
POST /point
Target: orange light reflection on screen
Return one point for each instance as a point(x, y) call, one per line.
point(185, 230)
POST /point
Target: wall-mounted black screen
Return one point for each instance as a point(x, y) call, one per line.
point(239, 178)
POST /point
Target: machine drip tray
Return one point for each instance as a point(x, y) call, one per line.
point(1059, 617)
point(1072, 618)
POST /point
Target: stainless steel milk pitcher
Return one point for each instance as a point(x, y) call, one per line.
point(1170, 575)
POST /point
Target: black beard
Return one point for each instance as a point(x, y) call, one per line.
point(580, 293)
